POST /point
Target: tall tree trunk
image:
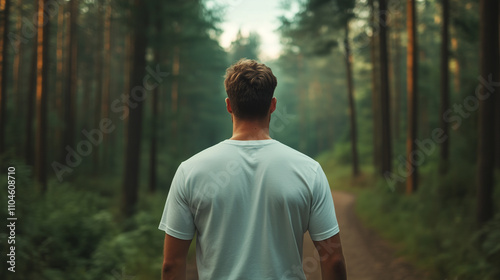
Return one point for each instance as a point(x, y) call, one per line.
point(352, 107)
point(396, 62)
point(126, 79)
point(175, 92)
point(374, 54)
point(412, 82)
point(155, 100)
point(30, 99)
point(445, 88)
point(105, 102)
point(4, 43)
point(41, 95)
point(71, 83)
point(60, 73)
point(488, 53)
point(18, 57)
point(497, 100)
point(98, 63)
point(132, 152)
point(384, 91)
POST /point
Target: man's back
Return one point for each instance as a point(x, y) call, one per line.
point(250, 202)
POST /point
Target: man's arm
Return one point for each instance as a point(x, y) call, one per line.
point(331, 258)
point(174, 258)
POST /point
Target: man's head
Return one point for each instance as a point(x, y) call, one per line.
point(250, 87)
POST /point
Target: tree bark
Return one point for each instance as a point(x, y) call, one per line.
point(132, 152)
point(445, 88)
point(18, 57)
point(4, 43)
point(384, 91)
point(412, 83)
point(42, 96)
point(105, 103)
point(377, 145)
point(60, 77)
point(71, 83)
point(396, 62)
point(488, 53)
point(29, 153)
point(352, 107)
point(155, 100)
point(98, 58)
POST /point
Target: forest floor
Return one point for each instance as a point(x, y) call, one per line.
point(368, 257)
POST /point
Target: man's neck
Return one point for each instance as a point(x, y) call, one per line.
point(250, 130)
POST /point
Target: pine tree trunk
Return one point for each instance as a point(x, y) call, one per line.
point(397, 77)
point(384, 91)
point(412, 82)
point(29, 151)
point(42, 96)
point(155, 100)
point(132, 151)
point(352, 107)
point(98, 63)
point(375, 59)
point(105, 102)
point(60, 74)
point(4, 44)
point(488, 53)
point(445, 88)
point(18, 57)
point(71, 83)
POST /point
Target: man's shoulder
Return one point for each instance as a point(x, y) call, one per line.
point(228, 150)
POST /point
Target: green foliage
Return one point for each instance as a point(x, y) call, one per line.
point(436, 227)
point(73, 232)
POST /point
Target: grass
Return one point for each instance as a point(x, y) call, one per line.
point(434, 228)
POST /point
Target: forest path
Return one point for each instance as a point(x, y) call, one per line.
point(367, 256)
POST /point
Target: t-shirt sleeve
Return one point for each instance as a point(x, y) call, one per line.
point(322, 222)
point(177, 219)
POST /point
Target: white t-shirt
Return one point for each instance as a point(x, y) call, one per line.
point(250, 202)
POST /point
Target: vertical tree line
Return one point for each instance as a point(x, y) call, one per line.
point(412, 87)
point(4, 27)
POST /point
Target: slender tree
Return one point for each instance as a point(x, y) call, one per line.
point(411, 81)
point(60, 77)
point(155, 100)
point(445, 88)
point(489, 57)
point(397, 74)
point(384, 90)
point(106, 82)
point(375, 63)
point(30, 99)
point(352, 106)
point(4, 43)
point(132, 151)
point(17, 83)
point(42, 95)
point(72, 82)
point(98, 63)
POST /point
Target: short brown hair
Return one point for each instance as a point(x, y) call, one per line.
point(250, 87)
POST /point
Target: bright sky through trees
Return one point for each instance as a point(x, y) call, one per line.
point(261, 16)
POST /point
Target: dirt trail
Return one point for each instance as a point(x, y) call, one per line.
point(367, 256)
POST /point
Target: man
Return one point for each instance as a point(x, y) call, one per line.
point(250, 199)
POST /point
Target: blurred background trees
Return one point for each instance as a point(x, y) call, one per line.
point(100, 100)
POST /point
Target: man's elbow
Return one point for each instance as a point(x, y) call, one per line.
point(173, 269)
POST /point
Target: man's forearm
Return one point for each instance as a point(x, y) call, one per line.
point(335, 270)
